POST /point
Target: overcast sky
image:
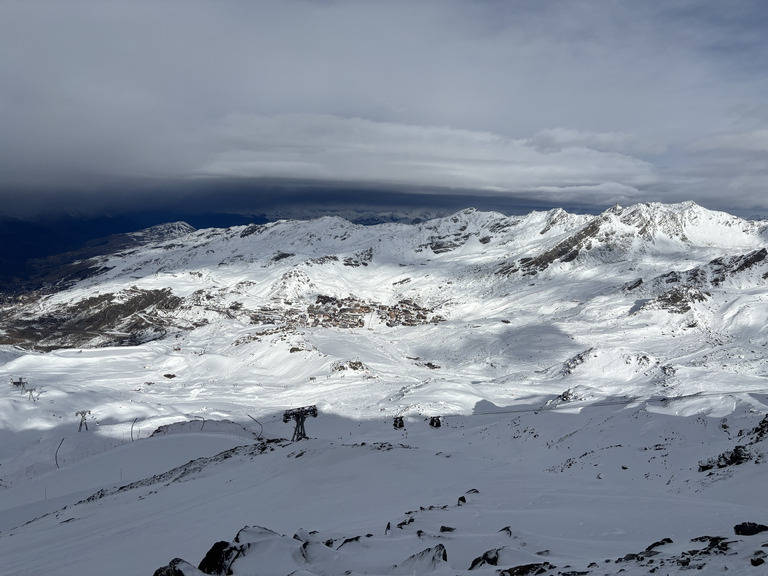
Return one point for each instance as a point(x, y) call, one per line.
point(592, 102)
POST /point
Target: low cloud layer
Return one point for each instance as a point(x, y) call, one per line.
point(313, 147)
point(577, 101)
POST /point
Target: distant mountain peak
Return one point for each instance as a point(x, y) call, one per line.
point(161, 232)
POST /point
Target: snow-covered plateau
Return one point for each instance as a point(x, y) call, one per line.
point(578, 394)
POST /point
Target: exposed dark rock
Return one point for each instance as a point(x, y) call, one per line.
point(350, 312)
point(716, 271)
point(216, 559)
point(758, 433)
point(359, 258)
point(739, 455)
point(527, 569)
point(489, 558)
point(723, 267)
point(423, 562)
point(661, 542)
point(570, 365)
point(178, 567)
point(677, 300)
point(668, 370)
point(715, 544)
point(349, 541)
point(565, 251)
point(122, 318)
point(442, 244)
point(252, 229)
point(749, 528)
point(282, 256)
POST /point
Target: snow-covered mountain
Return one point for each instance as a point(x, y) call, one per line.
point(600, 382)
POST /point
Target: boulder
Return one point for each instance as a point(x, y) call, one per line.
point(216, 560)
point(749, 528)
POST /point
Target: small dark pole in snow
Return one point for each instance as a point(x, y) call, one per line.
point(299, 415)
point(82, 414)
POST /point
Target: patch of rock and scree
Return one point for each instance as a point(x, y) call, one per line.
point(256, 550)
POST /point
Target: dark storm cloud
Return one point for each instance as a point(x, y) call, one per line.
point(105, 102)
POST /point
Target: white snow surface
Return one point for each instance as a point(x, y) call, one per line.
point(575, 411)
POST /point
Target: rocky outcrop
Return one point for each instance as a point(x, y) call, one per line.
point(739, 455)
point(677, 300)
point(572, 363)
point(131, 316)
point(179, 567)
point(216, 560)
point(424, 562)
point(564, 251)
point(749, 528)
point(489, 558)
point(533, 569)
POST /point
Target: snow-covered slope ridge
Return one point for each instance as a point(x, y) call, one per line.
point(600, 382)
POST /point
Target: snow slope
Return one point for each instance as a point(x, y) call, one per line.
point(600, 382)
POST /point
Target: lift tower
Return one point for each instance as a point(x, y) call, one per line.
point(299, 415)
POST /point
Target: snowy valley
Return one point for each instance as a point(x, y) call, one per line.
point(599, 382)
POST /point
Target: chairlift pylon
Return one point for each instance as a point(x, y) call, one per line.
point(299, 415)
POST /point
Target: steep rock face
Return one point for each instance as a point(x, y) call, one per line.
point(125, 317)
point(677, 300)
point(750, 268)
point(565, 251)
point(688, 223)
point(621, 233)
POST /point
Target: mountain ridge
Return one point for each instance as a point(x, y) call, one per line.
point(588, 411)
point(475, 245)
